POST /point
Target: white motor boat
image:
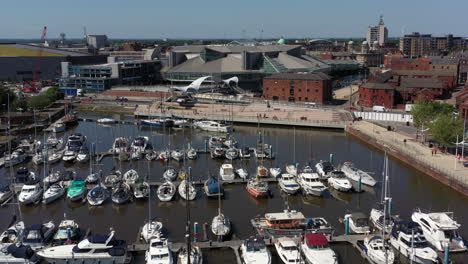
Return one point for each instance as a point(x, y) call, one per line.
point(166, 191)
point(164, 155)
point(232, 153)
point(275, 172)
point(242, 173)
point(141, 190)
point(114, 178)
point(254, 251)
point(152, 155)
point(31, 192)
point(106, 121)
point(39, 158)
point(288, 184)
point(158, 252)
point(356, 174)
point(75, 142)
point(358, 222)
point(98, 195)
point(52, 178)
point(310, 183)
point(408, 239)
point(377, 219)
point(316, 250)
point(438, 228)
point(378, 251)
point(93, 177)
point(181, 123)
point(150, 230)
point(52, 142)
point(338, 181)
point(288, 250)
point(291, 169)
point(6, 193)
point(39, 235)
point(68, 233)
point(226, 172)
point(139, 144)
point(69, 156)
point(96, 249)
point(16, 157)
point(192, 192)
point(192, 154)
point(196, 256)
point(12, 234)
point(131, 176)
point(17, 253)
point(220, 226)
point(324, 168)
point(212, 126)
point(54, 192)
point(120, 145)
point(83, 155)
point(217, 153)
point(56, 156)
point(170, 174)
point(177, 155)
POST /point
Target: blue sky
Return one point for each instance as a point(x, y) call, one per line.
point(229, 19)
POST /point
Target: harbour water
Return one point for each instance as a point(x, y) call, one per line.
point(409, 188)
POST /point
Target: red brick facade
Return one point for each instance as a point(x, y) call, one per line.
point(369, 97)
point(298, 88)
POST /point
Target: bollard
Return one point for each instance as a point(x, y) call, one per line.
point(359, 184)
point(206, 145)
point(389, 206)
point(346, 225)
point(331, 158)
point(195, 232)
point(446, 257)
point(205, 234)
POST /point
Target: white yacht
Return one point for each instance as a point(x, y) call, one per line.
point(196, 255)
point(177, 155)
point(288, 184)
point(254, 251)
point(212, 126)
point(338, 181)
point(96, 249)
point(54, 192)
point(31, 192)
point(408, 239)
point(358, 222)
point(221, 225)
point(378, 251)
point(275, 172)
point(139, 144)
point(166, 191)
point(291, 169)
point(83, 155)
point(288, 250)
point(39, 158)
point(75, 142)
point(355, 174)
point(52, 178)
point(324, 168)
point(316, 250)
point(242, 173)
point(438, 228)
point(226, 172)
point(131, 176)
point(192, 192)
point(310, 182)
point(98, 195)
point(106, 121)
point(192, 154)
point(13, 233)
point(170, 174)
point(120, 145)
point(16, 157)
point(150, 230)
point(69, 155)
point(377, 217)
point(54, 157)
point(158, 252)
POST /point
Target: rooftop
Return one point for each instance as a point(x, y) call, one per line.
point(234, 49)
point(318, 76)
point(27, 50)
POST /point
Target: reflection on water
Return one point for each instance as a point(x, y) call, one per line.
point(409, 188)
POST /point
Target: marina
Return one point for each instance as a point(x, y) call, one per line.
point(409, 188)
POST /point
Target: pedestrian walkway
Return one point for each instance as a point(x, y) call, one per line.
point(445, 167)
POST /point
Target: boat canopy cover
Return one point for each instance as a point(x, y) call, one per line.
point(212, 184)
point(407, 226)
point(316, 239)
point(358, 215)
point(254, 244)
point(4, 188)
point(21, 251)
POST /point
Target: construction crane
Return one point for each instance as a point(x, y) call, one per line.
point(33, 86)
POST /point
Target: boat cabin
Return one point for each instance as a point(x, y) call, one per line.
point(285, 220)
point(316, 241)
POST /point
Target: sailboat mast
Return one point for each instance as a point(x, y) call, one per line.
point(385, 209)
point(187, 208)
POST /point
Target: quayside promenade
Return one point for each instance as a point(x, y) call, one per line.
point(443, 167)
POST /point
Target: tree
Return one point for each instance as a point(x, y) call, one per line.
point(19, 105)
point(425, 112)
point(445, 128)
point(54, 94)
point(39, 102)
point(4, 93)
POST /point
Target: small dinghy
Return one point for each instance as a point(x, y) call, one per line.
point(177, 155)
point(98, 195)
point(150, 230)
point(121, 193)
point(242, 173)
point(192, 154)
point(131, 177)
point(114, 178)
point(192, 192)
point(166, 191)
point(141, 190)
point(54, 192)
point(170, 174)
point(152, 155)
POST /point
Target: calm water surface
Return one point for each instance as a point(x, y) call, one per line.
point(409, 188)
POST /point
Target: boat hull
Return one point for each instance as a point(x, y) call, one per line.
point(256, 193)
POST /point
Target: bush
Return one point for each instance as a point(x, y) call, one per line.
point(39, 102)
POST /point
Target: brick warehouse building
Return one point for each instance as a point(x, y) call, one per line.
point(298, 87)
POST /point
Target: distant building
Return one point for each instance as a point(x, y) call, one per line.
point(99, 77)
point(377, 34)
point(96, 41)
point(298, 87)
point(18, 62)
point(418, 45)
point(463, 68)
